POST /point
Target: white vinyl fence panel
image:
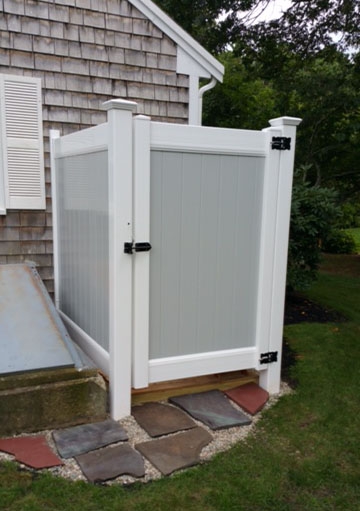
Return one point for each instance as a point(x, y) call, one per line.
point(84, 242)
point(80, 185)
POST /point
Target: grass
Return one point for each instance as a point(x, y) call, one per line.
point(304, 455)
point(355, 233)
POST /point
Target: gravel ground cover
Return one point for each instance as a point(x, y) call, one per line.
point(222, 441)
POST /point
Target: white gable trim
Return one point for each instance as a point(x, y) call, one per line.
point(203, 64)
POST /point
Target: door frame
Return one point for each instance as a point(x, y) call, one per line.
point(149, 136)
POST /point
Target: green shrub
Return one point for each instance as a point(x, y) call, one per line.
point(350, 215)
point(355, 234)
point(313, 214)
point(339, 242)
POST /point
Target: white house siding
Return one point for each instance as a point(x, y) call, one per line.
point(85, 52)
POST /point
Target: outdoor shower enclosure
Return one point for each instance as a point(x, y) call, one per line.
point(170, 247)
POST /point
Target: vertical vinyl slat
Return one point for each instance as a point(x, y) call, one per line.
point(189, 247)
point(170, 279)
point(208, 251)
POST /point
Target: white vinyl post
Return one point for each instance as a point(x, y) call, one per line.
point(141, 209)
point(120, 133)
point(53, 135)
point(274, 248)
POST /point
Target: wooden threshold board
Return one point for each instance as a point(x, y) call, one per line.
point(163, 390)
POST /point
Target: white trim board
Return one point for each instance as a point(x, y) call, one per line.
point(184, 138)
point(199, 364)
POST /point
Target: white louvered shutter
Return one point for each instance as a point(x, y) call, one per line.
point(22, 141)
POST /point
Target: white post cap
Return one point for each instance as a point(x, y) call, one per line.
point(142, 117)
point(285, 121)
point(119, 104)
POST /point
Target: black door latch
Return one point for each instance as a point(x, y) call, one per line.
point(141, 246)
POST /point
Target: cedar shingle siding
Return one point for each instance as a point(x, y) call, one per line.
point(85, 52)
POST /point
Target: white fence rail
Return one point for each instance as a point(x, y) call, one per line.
point(215, 205)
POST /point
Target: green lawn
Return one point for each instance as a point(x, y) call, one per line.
point(355, 233)
point(303, 456)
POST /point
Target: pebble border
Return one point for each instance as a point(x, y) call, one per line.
point(223, 440)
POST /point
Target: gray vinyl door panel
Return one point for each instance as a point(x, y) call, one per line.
point(204, 230)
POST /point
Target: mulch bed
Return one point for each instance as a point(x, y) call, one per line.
point(299, 309)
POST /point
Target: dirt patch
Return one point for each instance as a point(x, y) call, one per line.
point(340, 264)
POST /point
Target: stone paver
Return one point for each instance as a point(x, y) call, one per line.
point(158, 419)
point(80, 439)
point(32, 451)
point(177, 451)
point(111, 462)
point(212, 408)
point(249, 397)
point(90, 445)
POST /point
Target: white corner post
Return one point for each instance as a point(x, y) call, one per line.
point(278, 180)
point(53, 135)
point(141, 268)
point(120, 136)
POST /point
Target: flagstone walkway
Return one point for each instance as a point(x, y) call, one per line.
point(175, 436)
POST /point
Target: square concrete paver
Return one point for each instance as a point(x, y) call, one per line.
point(33, 451)
point(111, 462)
point(176, 451)
point(249, 397)
point(212, 408)
point(88, 437)
point(158, 419)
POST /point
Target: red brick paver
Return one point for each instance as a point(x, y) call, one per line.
point(249, 397)
point(33, 451)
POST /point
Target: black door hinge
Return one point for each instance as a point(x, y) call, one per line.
point(142, 246)
point(281, 143)
point(269, 357)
